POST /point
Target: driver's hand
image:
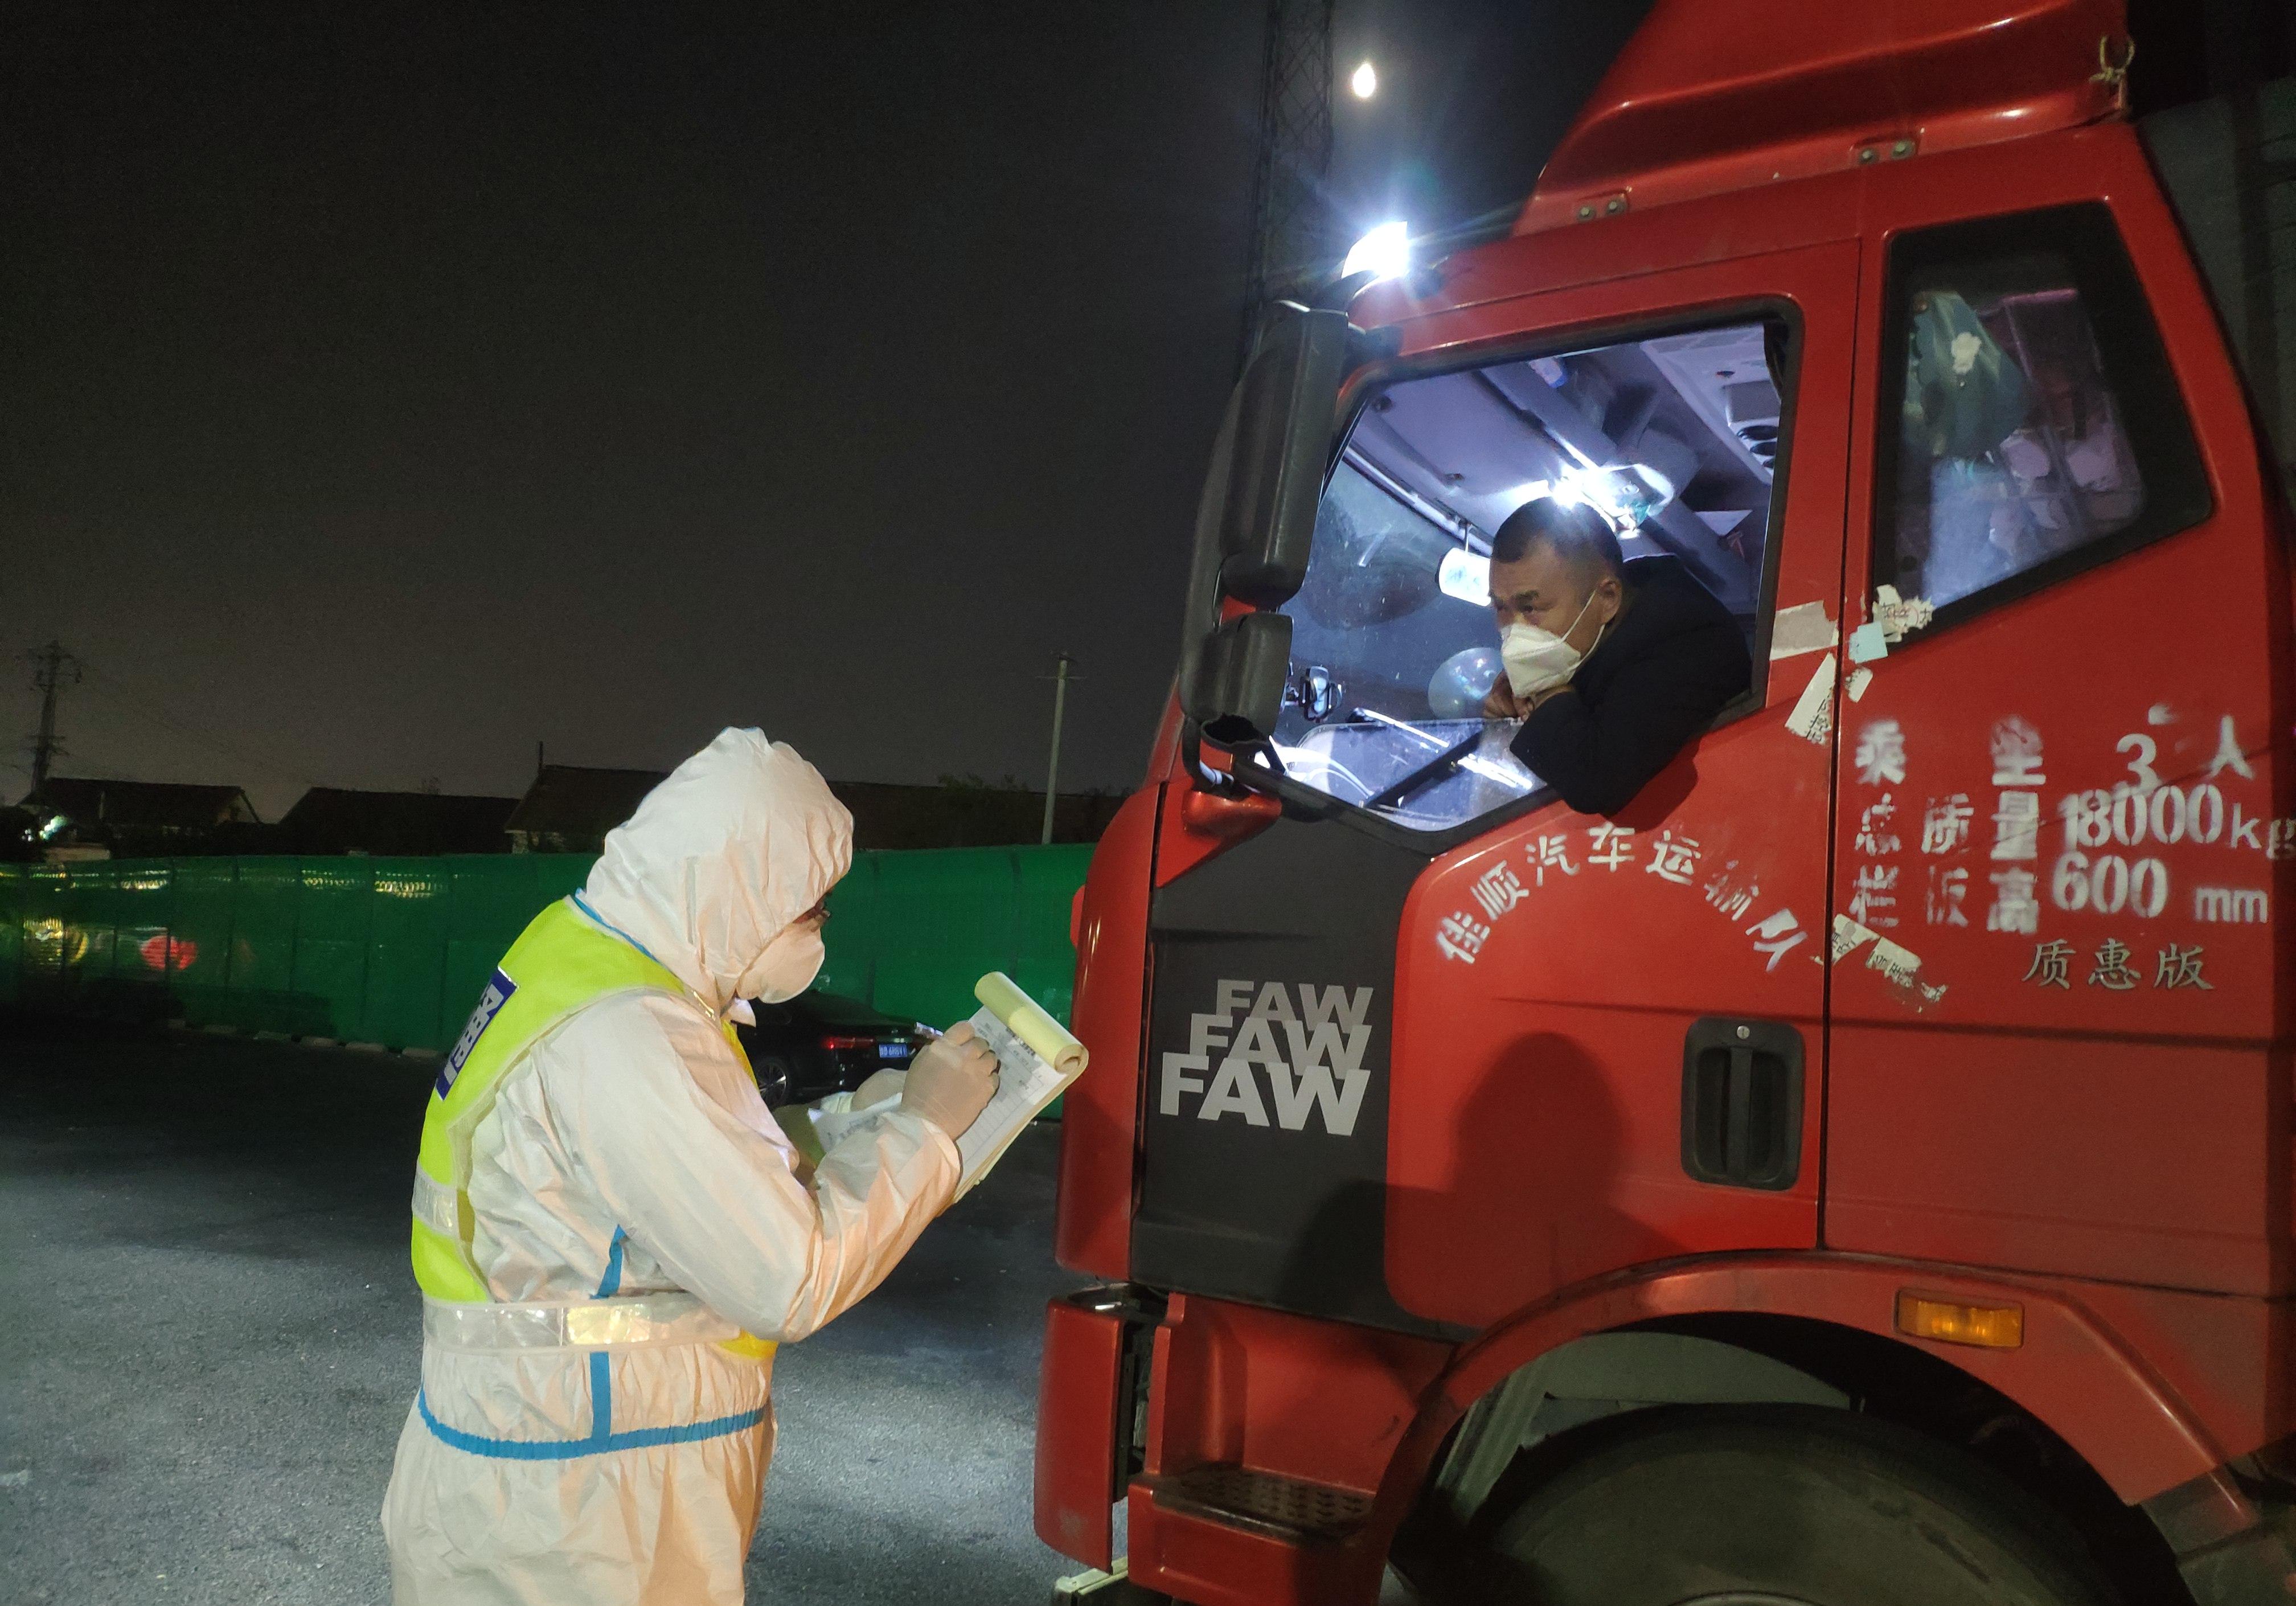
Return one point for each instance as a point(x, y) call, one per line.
point(1503, 703)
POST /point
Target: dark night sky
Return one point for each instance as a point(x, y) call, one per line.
point(383, 389)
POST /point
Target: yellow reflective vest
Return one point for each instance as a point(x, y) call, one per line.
point(561, 963)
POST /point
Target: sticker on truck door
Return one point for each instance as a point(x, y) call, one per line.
point(1273, 1054)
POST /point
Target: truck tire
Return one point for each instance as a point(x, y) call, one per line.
point(1782, 1505)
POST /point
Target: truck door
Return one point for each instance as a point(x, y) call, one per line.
point(2054, 865)
point(1418, 1051)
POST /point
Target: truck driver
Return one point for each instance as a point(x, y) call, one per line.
point(1611, 666)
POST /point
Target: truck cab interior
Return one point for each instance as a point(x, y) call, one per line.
point(1674, 439)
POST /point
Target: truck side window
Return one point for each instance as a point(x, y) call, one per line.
point(1674, 439)
point(2036, 429)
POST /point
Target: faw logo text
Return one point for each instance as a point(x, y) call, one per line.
point(1271, 1050)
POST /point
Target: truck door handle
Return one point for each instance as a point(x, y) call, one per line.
point(1742, 1097)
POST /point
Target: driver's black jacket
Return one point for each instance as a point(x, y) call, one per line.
point(1657, 678)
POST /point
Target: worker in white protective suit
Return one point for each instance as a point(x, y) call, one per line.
point(610, 1229)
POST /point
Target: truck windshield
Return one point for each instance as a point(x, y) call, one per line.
point(1672, 439)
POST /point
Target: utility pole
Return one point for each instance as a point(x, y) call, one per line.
point(52, 668)
point(1059, 678)
point(1291, 218)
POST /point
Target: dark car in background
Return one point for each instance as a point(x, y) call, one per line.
point(817, 1043)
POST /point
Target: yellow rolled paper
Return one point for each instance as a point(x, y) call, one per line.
point(1026, 1019)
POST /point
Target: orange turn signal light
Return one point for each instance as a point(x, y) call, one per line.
point(1953, 1322)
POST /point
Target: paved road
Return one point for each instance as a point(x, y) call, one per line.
point(211, 1339)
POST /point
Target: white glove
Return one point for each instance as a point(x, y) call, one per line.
point(951, 1081)
point(883, 1086)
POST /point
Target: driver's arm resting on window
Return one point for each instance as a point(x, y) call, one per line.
point(1613, 666)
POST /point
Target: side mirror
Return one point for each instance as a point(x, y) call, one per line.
point(1257, 520)
point(1287, 400)
point(1240, 669)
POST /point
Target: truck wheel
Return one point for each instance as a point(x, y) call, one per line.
point(1781, 1505)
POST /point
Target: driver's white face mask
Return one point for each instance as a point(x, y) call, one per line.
point(1539, 660)
point(786, 968)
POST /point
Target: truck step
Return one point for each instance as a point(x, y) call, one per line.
point(1283, 1508)
point(1096, 1589)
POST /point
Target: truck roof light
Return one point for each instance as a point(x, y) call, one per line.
point(1953, 1322)
point(1385, 253)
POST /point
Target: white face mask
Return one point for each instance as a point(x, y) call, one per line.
point(786, 968)
point(1539, 660)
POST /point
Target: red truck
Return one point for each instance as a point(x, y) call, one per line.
point(1859, 1169)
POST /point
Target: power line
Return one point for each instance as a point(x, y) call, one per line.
point(205, 738)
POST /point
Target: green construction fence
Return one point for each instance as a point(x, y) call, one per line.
point(394, 951)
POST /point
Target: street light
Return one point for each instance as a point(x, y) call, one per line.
point(1365, 81)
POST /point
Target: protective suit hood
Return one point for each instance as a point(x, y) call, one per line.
point(719, 860)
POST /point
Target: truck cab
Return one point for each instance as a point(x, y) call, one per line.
point(1857, 1166)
